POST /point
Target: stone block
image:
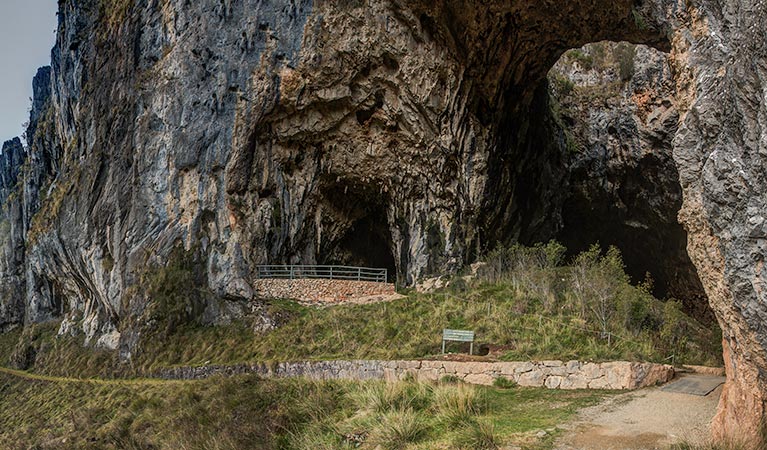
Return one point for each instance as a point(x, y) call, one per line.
point(591, 370)
point(599, 383)
point(560, 371)
point(553, 382)
point(574, 381)
point(573, 366)
point(523, 367)
point(431, 365)
point(552, 363)
point(533, 378)
point(451, 367)
point(407, 365)
point(479, 378)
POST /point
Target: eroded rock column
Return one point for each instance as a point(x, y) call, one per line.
point(720, 57)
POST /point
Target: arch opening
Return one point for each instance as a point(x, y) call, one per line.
point(363, 237)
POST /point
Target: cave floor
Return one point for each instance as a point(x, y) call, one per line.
point(647, 419)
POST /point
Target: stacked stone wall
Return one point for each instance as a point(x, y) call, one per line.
point(321, 290)
point(550, 374)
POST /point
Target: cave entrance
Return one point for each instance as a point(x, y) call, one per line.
point(614, 103)
point(367, 243)
point(362, 237)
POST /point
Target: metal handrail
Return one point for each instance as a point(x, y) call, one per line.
point(329, 272)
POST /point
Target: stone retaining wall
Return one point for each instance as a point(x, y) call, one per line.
point(550, 374)
point(321, 290)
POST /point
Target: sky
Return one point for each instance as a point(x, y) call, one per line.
point(27, 34)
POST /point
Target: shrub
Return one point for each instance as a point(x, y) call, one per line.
point(176, 290)
point(585, 60)
point(450, 379)
point(386, 397)
point(624, 54)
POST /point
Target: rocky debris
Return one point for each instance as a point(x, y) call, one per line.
point(323, 292)
point(550, 374)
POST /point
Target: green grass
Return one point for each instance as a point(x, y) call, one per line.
point(539, 309)
point(403, 329)
point(412, 327)
point(249, 412)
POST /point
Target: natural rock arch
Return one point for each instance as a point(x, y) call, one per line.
point(492, 57)
point(220, 123)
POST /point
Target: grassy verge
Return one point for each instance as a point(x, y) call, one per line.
point(525, 305)
point(407, 328)
point(248, 412)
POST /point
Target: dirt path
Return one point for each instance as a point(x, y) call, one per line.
point(117, 381)
point(646, 419)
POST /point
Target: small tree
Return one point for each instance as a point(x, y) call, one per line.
point(596, 280)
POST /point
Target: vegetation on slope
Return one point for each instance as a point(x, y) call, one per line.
point(248, 412)
point(524, 304)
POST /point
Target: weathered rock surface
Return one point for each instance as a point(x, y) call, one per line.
point(720, 59)
point(409, 135)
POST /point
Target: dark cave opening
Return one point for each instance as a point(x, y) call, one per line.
point(589, 160)
point(367, 243)
point(623, 187)
point(361, 237)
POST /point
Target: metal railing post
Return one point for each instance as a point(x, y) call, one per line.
point(291, 272)
point(331, 272)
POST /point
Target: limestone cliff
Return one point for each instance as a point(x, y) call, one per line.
point(248, 132)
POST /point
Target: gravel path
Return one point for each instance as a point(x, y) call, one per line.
point(646, 419)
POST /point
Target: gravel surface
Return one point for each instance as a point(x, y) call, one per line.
point(646, 419)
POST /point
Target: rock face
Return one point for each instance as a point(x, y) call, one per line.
point(11, 240)
point(408, 135)
point(720, 59)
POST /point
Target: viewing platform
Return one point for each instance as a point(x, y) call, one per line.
point(323, 284)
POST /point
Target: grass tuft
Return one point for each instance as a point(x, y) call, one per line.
point(460, 404)
point(398, 429)
point(504, 383)
point(478, 435)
